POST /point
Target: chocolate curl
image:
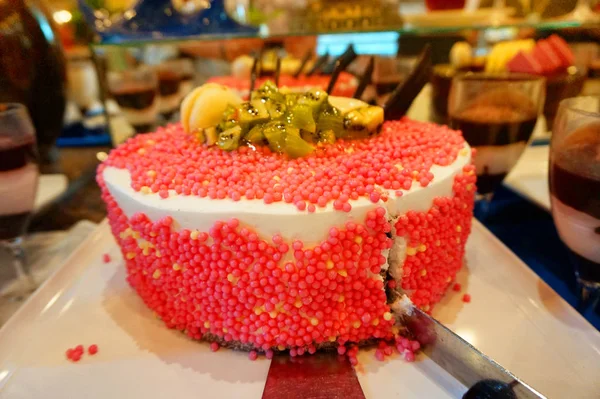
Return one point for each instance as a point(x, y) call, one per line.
point(277, 70)
point(404, 94)
point(305, 59)
point(253, 74)
point(365, 79)
point(340, 65)
point(322, 60)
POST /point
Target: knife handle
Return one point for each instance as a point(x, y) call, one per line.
point(491, 389)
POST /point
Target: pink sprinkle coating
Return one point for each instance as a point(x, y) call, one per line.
point(106, 258)
point(271, 293)
point(171, 161)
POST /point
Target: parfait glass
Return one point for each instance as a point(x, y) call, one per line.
point(575, 188)
point(497, 115)
point(18, 185)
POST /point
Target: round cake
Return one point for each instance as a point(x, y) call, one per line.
point(297, 240)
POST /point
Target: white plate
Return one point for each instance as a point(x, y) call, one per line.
point(514, 317)
point(529, 177)
point(50, 187)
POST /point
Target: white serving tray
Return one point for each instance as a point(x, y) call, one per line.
point(529, 177)
point(514, 317)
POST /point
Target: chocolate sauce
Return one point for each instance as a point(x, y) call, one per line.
point(494, 133)
point(135, 96)
point(17, 157)
point(168, 83)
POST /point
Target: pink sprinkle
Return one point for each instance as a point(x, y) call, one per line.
point(341, 350)
point(269, 354)
point(214, 346)
point(93, 349)
point(456, 287)
point(252, 355)
point(106, 258)
point(415, 345)
point(379, 355)
point(409, 356)
point(466, 298)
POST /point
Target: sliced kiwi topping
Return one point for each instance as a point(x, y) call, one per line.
point(293, 123)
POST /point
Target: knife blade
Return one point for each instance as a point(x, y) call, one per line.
point(458, 357)
point(326, 375)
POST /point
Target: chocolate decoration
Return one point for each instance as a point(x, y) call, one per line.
point(402, 97)
point(365, 79)
point(253, 74)
point(322, 60)
point(277, 70)
point(305, 59)
point(340, 65)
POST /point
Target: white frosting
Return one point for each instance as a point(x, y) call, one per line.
point(17, 189)
point(576, 229)
point(498, 159)
point(191, 212)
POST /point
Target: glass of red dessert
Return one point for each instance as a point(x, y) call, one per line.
point(136, 92)
point(575, 186)
point(18, 185)
point(496, 114)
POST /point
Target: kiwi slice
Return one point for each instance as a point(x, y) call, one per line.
point(229, 140)
point(229, 119)
point(275, 109)
point(275, 133)
point(295, 147)
point(301, 117)
point(363, 122)
point(255, 135)
point(327, 136)
point(252, 113)
point(267, 91)
point(332, 119)
point(314, 98)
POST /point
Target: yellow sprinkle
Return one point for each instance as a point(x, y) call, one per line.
point(469, 187)
point(387, 316)
point(399, 167)
point(157, 253)
point(145, 190)
point(422, 248)
point(356, 324)
point(332, 339)
point(194, 234)
point(423, 272)
point(205, 183)
point(358, 239)
point(258, 311)
point(141, 151)
point(176, 266)
point(375, 321)
point(464, 152)
point(349, 150)
point(343, 273)
point(230, 277)
point(312, 172)
point(135, 235)
point(458, 228)
point(130, 255)
point(426, 308)
point(438, 243)
point(410, 251)
point(151, 173)
point(314, 321)
point(153, 234)
point(276, 178)
point(449, 279)
point(150, 142)
point(298, 304)
point(464, 206)
point(395, 330)
point(273, 314)
point(156, 274)
point(225, 330)
point(458, 240)
point(207, 324)
point(341, 298)
point(281, 347)
point(183, 299)
point(329, 264)
point(146, 251)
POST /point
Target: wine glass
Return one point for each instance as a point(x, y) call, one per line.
point(497, 115)
point(18, 184)
point(575, 187)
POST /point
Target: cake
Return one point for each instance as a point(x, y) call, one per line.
point(314, 230)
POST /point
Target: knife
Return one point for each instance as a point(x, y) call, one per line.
point(327, 375)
